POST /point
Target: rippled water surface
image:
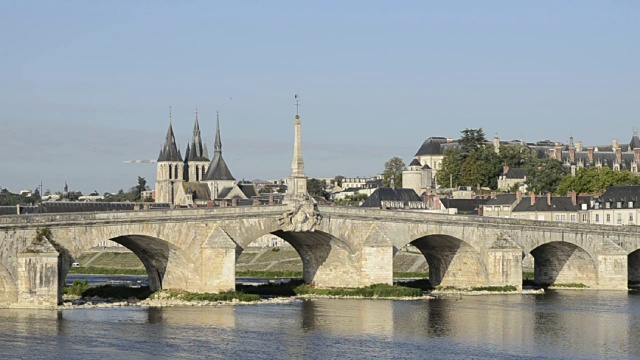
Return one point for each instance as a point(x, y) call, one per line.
point(563, 324)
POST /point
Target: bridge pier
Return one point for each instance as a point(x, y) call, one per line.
point(504, 264)
point(612, 267)
point(38, 275)
point(217, 269)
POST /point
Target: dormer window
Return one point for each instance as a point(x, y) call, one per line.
point(619, 205)
point(607, 205)
point(630, 204)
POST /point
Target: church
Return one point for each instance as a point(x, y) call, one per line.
point(196, 180)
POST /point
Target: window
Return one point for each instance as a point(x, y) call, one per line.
point(597, 218)
point(584, 206)
point(630, 218)
point(573, 217)
point(505, 208)
point(630, 205)
point(608, 217)
point(489, 208)
point(619, 204)
point(619, 219)
point(561, 217)
point(607, 205)
point(585, 218)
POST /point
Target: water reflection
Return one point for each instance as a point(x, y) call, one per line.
point(568, 324)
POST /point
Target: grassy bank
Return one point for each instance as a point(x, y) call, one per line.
point(82, 289)
point(284, 274)
point(187, 296)
point(106, 271)
point(377, 290)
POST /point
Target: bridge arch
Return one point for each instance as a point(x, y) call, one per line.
point(452, 261)
point(559, 262)
point(633, 265)
point(327, 261)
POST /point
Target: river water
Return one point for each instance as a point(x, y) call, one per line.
point(569, 324)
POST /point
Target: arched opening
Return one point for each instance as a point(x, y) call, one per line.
point(451, 261)
point(409, 263)
point(561, 263)
point(325, 261)
point(126, 254)
point(633, 266)
point(269, 256)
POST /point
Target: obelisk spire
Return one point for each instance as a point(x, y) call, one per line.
point(297, 165)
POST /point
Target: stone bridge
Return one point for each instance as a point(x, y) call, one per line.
point(196, 249)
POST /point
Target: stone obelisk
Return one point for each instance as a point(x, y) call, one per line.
point(297, 182)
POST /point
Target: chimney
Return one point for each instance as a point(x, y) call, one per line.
point(552, 153)
point(616, 145)
point(590, 150)
point(18, 209)
point(572, 154)
point(533, 198)
point(619, 155)
point(519, 195)
point(437, 204)
point(558, 152)
point(271, 200)
point(574, 198)
point(256, 202)
point(579, 146)
point(210, 204)
point(505, 169)
point(223, 203)
point(636, 152)
point(234, 202)
point(549, 199)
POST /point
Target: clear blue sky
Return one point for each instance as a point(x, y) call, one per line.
point(85, 85)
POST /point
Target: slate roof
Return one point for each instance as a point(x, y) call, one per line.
point(197, 190)
point(623, 194)
point(464, 206)
point(432, 146)
point(635, 142)
point(516, 173)
point(170, 151)
point(248, 189)
point(502, 199)
point(389, 194)
point(558, 203)
point(415, 162)
point(72, 207)
point(218, 169)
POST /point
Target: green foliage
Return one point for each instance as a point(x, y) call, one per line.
point(8, 198)
point(338, 180)
point(569, 286)
point(393, 170)
point(281, 289)
point(77, 289)
point(409, 275)
point(544, 176)
point(317, 187)
point(118, 292)
point(352, 200)
point(422, 284)
point(472, 140)
point(376, 290)
point(596, 180)
point(187, 296)
point(449, 175)
point(42, 234)
point(506, 288)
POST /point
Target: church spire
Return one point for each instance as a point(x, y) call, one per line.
point(218, 142)
point(197, 152)
point(170, 150)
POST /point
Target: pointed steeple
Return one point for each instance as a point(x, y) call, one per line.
point(218, 169)
point(218, 142)
point(170, 151)
point(297, 165)
point(197, 148)
point(206, 151)
point(297, 182)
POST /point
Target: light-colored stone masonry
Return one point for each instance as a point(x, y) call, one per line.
point(196, 249)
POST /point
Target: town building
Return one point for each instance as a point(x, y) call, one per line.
point(617, 206)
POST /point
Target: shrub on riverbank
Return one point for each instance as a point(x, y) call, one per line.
point(284, 274)
point(106, 271)
point(506, 288)
point(405, 275)
point(77, 289)
point(376, 290)
point(569, 286)
point(187, 296)
point(281, 289)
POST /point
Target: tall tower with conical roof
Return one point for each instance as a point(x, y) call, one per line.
point(170, 168)
point(196, 159)
point(218, 175)
point(297, 182)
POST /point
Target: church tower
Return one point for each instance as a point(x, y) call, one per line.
point(170, 168)
point(218, 175)
point(196, 158)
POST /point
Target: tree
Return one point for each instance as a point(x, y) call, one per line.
point(596, 180)
point(472, 139)
point(338, 180)
point(449, 174)
point(317, 187)
point(544, 176)
point(95, 193)
point(393, 170)
point(142, 186)
point(481, 167)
